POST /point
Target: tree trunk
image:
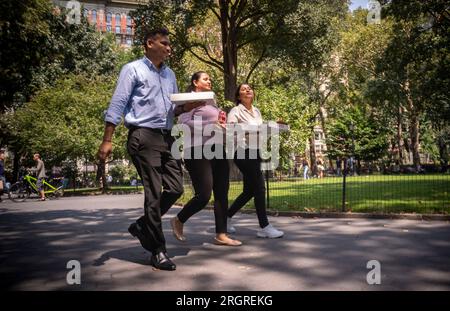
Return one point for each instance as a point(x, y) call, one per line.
point(443, 153)
point(414, 135)
point(399, 136)
point(413, 128)
point(230, 86)
point(312, 154)
point(228, 28)
point(104, 182)
point(322, 113)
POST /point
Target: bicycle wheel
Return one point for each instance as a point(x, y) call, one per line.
point(18, 192)
point(58, 193)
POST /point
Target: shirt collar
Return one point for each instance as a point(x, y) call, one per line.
point(252, 112)
point(149, 63)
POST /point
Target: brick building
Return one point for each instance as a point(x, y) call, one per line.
point(109, 16)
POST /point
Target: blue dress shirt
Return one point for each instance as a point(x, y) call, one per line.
point(142, 95)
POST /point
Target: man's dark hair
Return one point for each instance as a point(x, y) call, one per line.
point(152, 33)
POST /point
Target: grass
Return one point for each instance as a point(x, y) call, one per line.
point(369, 194)
point(377, 194)
point(96, 190)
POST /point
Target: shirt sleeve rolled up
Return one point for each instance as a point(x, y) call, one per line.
point(122, 94)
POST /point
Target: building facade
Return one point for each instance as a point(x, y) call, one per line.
point(109, 16)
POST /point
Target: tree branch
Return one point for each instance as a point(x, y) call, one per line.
point(256, 13)
point(214, 12)
point(233, 8)
point(255, 65)
point(212, 59)
point(247, 42)
point(206, 61)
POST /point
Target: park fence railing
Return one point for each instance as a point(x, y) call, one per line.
point(407, 192)
point(424, 193)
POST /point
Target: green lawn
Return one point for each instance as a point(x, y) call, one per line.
point(380, 193)
point(388, 194)
point(94, 191)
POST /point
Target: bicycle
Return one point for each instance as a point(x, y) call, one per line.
point(21, 190)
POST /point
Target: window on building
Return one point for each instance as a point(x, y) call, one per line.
point(129, 41)
point(94, 17)
point(86, 13)
point(108, 18)
point(108, 28)
point(128, 30)
point(118, 40)
point(128, 20)
point(317, 135)
point(117, 28)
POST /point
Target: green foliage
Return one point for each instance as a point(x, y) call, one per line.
point(428, 142)
point(425, 60)
point(356, 132)
point(65, 122)
point(412, 72)
point(39, 46)
point(24, 33)
point(123, 173)
point(397, 66)
point(232, 37)
point(311, 33)
point(290, 106)
point(305, 58)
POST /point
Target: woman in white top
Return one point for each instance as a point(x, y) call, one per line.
point(207, 175)
point(246, 113)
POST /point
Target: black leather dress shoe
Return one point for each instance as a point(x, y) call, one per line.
point(161, 261)
point(137, 231)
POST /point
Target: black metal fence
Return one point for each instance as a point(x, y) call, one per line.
point(398, 191)
point(365, 192)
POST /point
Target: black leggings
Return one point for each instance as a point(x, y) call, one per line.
point(208, 176)
point(253, 188)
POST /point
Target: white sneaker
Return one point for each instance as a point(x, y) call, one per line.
point(270, 232)
point(230, 228)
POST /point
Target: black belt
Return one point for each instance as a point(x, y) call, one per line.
point(159, 131)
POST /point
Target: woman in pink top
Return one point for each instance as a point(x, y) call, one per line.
point(207, 175)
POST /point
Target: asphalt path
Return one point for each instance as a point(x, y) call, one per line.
point(38, 239)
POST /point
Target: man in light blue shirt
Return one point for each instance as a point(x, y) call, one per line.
point(142, 97)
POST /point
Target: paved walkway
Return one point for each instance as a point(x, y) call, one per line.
point(37, 239)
